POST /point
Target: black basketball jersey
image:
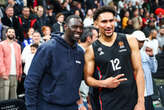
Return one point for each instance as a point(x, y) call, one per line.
point(111, 61)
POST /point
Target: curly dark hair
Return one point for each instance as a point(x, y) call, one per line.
point(102, 10)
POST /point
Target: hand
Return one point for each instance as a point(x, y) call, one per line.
point(82, 108)
point(149, 51)
point(113, 82)
point(139, 106)
point(19, 78)
point(5, 77)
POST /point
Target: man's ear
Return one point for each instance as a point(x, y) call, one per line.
point(65, 26)
point(95, 24)
point(89, 39)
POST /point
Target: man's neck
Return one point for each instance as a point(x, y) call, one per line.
point(108, 41)
point(9, 17)
point(10, 41)
point(26, 17)
point(71, 43)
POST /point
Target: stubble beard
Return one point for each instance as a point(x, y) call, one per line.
point(10, 37)
point(109, 36)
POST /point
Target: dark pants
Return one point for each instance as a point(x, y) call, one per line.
point(149, 103)
point(43, 105)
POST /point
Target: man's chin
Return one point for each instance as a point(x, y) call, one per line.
point(76, 38)
point(11, 38)
point(109, 35)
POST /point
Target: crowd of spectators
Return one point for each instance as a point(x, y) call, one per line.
point(35, 20)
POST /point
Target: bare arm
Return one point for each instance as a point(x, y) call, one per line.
point(89, 68)
point(111, 82)
point(138, 72)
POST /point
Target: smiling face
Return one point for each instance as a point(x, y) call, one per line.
point(10, 34)
point(10, 12)
point(105, 23)
point(36, 37)
point(74, 29)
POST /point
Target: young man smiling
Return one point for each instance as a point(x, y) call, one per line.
point(120, 80)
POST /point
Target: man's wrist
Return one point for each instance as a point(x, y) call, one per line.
point(141, 100)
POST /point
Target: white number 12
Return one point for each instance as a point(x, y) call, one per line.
point(115, 64)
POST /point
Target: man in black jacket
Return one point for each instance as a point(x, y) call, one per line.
point(58, 27)
point(25, 21)
point(9, 19)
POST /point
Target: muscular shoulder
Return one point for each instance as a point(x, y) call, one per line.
point(132, 41)
point(89, 52)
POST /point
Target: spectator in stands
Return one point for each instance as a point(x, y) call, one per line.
point(28, 40)
point(42, 20)
point(90, 34)
point(125, 19)
point(36, 38)
point(160, 3)
point(26, 21)
point(130, 9)
point(50, 15)
point(120, 5)
point(153, 40)
point(88, 20)
point(58, 27)
point(46, 31)
point(10, 66)
point(77, 12)
point(149, 65)
point(118, 27)
point(160, 37)
point(29, 56)
point(149, 27)
point(16, 6)
point(9, 19)
point(76, 8)
point(129, 28)
point(137, 20)
point(141, 12)
point(146, 19)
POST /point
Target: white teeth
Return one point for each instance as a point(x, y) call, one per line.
point(77, 35)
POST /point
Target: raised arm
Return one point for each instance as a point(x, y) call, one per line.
point(138, 72)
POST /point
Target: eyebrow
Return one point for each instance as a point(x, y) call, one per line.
point(105, 20)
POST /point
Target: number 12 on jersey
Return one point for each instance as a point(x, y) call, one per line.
point(115, 64)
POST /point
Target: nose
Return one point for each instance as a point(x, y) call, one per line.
point(108, 24)
point(79, 29)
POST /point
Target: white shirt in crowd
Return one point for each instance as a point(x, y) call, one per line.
point(13, 61)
